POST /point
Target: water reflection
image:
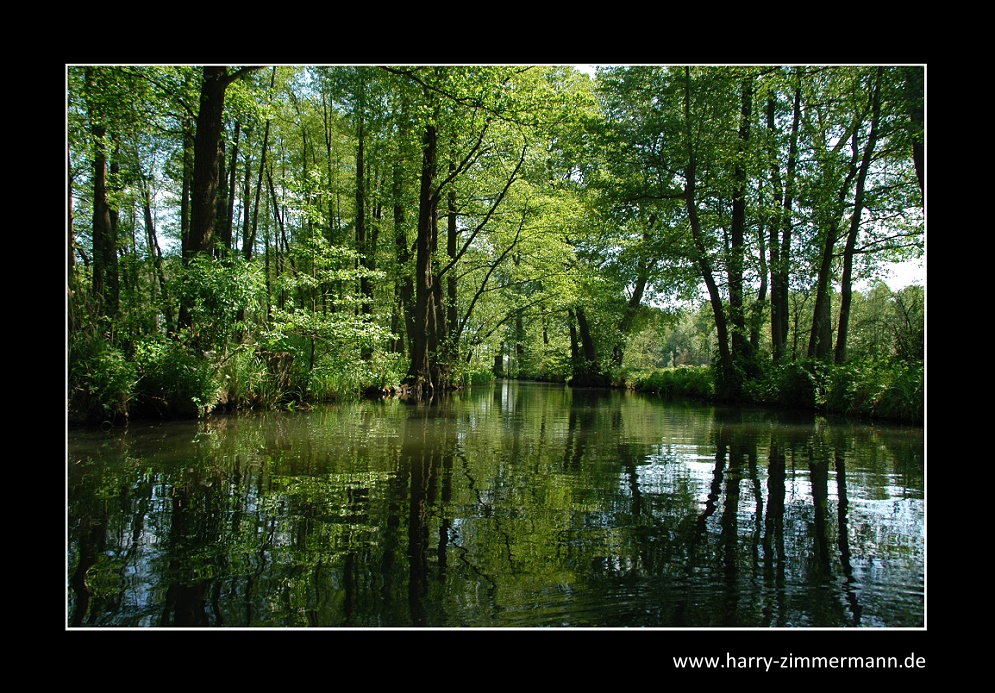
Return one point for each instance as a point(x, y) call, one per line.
point(519, 505)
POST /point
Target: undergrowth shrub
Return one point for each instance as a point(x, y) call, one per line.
point(479, 376)
point(245, 382)
point(792, 384)
point(384, 371)
point(100, 379)
point(905, 398)
point(889, 390)
point(173, 381)
point(696, 382)
point(335, 378)
point(854, 389)
point(553, 367)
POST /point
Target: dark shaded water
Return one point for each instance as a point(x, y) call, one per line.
point(518, 505)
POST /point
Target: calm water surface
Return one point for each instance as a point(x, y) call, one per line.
point(517, 505)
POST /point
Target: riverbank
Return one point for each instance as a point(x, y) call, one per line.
point(879, 390)
point(870, 390)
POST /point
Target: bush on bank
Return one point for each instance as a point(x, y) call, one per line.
point(692, 382)
point(883, 390)
point(101, 381)
point(893, 391)
point(166, 379)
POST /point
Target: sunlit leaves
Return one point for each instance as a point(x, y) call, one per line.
point(216, 294)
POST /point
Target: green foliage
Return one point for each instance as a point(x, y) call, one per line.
point(101, 380)
point(332, 354)
point(590, 208)
point(909, 324)
point(693, 382)
point(905, 398)
point(866, 389)
point(335, 378)
point(174, 381)
point(329, 380)
point(337, 349)
point(667, 339)
point(480, 376)
point(855, 388)
point(216, 293)
point(887, 325)
point(794, 384)
point(553, 365)
point(877, 389)
point(245, 381)
point(384, 370)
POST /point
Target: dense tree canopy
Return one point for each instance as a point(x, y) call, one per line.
point(243, 236)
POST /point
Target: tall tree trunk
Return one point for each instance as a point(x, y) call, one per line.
point(858, 209)
point(741, 347)
point(820, 340)
point(820, 345)
point(279, 240)
point(113, 211)
point(587, 369)
point(106, 288)
point(780, 232)
point(365, 287)
point(70, 232)
point(404, 288)
point(228, 214)
point(223, 244)
point(915, 94)
point(250, 241)
point(267, 265)
point(756, 317)
point(586, 341)
point(519, 343)
point(282, 240)
point(576, 357)
point(631, 309)
point(207, 157)
point(777, 317)
point(420, 372)
point(643, 267)
point(437, 337)
point(373, 242)
point(704, 265)
point(452, 244)
point(249, 233)
point(189, 128)
point(326, 120)
point(207, 168)
point(70, 251)
point(362, 244)
point(155, 253)
point(247, 238)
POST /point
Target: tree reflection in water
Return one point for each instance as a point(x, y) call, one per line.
point(522, 505)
